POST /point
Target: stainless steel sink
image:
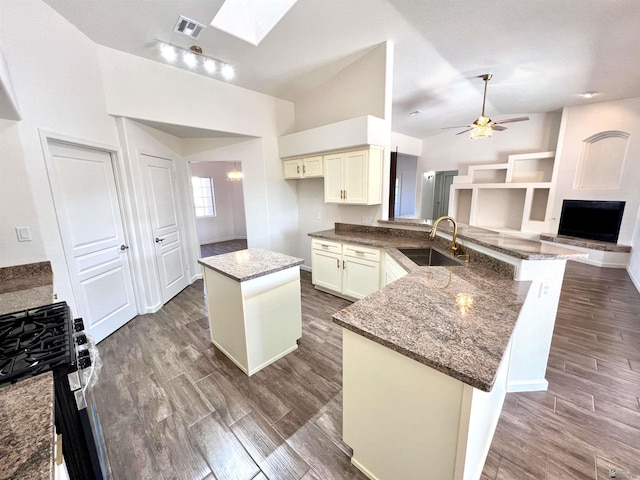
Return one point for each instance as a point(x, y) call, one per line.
point(431, 257)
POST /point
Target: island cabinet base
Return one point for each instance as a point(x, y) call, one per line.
point(405, 420)
point(257, 321)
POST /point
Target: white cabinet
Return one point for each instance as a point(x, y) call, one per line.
point(354, 177)
point(308, 167)
point(349, 270)
point(326, 261)
point(392, 270)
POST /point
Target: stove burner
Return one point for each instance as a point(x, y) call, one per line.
point(35, 340)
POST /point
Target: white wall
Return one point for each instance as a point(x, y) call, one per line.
point(634, 261)
point(140, 88)
point(447, 151)
point(358, 89)
point(229, 221)
point(58, 87)
point(362, 88)
point(580, 123)
point(65, 83)
point(406, 144)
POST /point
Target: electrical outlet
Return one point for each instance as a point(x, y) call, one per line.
point(318, 215)
point(545, 290)
point(366, 220)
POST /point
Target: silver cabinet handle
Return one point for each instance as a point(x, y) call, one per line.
point(344, 265)
point(158, 240)
point(359, 252)
point(304, 169)
point(324, 245)
point(124, 247)
point(297, 168)
point(338, 262)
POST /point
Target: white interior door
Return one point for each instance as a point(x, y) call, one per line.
point(166, 224)
point(88, 209)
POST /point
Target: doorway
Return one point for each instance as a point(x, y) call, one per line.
point(218, 198)
point(166, 224)
point(436, 187)
point(402, 190)
point(88, 207)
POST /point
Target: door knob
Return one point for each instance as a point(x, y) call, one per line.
point(158, 240)
point(124, 247)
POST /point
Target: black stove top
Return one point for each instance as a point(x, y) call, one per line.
point(34, 341)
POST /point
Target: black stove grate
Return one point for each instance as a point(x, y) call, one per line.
point(34, 341)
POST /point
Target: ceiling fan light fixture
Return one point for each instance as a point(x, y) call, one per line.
point(481, 128)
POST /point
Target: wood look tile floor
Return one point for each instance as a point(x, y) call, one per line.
point(173, 407)
point(211, 249)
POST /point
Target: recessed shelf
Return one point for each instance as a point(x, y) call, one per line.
point(507, 197)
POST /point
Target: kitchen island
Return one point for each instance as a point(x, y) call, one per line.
point(427, 359)
point(254, 305)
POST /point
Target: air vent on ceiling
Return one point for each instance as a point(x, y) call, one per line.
point(188, 27)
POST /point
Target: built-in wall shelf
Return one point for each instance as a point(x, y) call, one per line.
point(512, 197)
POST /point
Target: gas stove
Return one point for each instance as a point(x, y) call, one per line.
point(39, 339)
point(47, 338)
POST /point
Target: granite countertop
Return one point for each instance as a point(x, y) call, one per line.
point(457, 320)
point(248, 264)
point(453, 319)
point(26, 436)
point(25, 286)
point(523, 248)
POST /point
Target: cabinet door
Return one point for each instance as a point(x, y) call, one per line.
point(355, 177)
point(360, 277)
point(326, 270)
point(312, 167)
point(293, 168)
point(333, 178)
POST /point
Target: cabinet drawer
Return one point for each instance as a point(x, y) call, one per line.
point(326, 245)
point(359, 251)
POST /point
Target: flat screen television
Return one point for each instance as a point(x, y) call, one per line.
point(591, 219)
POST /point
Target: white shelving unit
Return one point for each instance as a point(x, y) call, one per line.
point(512, 197)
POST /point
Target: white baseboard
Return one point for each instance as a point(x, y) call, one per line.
point(306, 268)
point(528, 386)
point(634, 279)
point(363, 469)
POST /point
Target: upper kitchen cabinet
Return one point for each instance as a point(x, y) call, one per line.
point(308, 167)
point(354, 177)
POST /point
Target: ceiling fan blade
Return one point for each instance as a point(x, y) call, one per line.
point(498, 128)
point(460, 126)
point(464, 131)
point(510, 120)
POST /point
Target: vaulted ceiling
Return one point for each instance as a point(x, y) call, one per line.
point(542, 53)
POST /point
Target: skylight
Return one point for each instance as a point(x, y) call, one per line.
point(249, 20)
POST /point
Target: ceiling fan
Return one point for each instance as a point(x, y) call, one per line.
point(482, 127)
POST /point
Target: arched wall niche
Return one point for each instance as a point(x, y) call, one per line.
point(601, 162)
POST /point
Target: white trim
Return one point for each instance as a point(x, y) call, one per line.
point(124, 206)
point(306, 268)
point(528, 386)
point(634, 279)
point(362, 468)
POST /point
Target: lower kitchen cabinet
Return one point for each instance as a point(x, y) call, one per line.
point(348, 270)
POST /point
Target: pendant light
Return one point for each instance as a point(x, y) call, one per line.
point(234, 175)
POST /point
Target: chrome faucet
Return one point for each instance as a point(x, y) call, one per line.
point(454, 247)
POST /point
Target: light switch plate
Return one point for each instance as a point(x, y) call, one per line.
point(24, 234)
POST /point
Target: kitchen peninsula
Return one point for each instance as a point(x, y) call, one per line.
point(254, 305)
point(428, 358)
